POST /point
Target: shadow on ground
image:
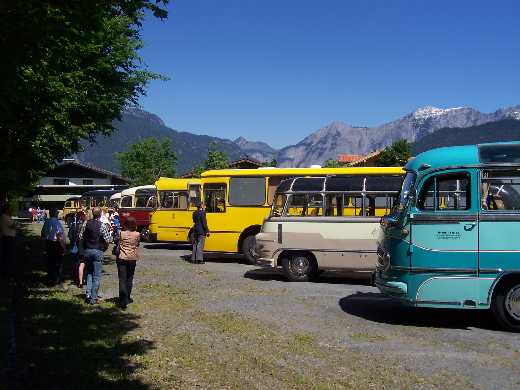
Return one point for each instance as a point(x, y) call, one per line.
point(61, 342)
point(329, 277)
point(378, 308)
point(168, 246)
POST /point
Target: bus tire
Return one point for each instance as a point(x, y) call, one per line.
point(505, 305)
point(299, 267)
point(248, 249)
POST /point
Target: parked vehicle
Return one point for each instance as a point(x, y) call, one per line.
point(452, 238)
point(97, 198)
point(237, 201)
point(115, 201)
point(72, 205)
point(171, 221)
point(138, 202)
point(323, 223)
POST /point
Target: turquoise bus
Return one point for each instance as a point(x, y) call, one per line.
point(453, 238)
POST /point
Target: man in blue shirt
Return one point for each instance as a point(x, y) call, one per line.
point(54, 236)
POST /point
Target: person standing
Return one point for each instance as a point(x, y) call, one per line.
point(54, 236)
point(128, 242)
point(200, 231)
point(8, 244)
point(96, 237)
point(76, 251)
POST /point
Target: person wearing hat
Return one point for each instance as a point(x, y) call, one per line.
point(201, 231)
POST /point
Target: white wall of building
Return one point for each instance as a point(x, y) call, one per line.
point(74, 181)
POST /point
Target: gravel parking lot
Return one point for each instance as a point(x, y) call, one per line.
point(224, 324)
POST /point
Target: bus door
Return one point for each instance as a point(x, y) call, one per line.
point(222, 237)
point(444, 239)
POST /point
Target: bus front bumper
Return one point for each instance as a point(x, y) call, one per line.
point(390, 287)
point(265, 262)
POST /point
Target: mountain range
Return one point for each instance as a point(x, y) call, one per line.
point(338, 137)
point(426, 127)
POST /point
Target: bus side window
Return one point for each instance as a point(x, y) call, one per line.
point(194, 193)
point(500, 190)
point(215, 198)
point(445, 192)
point(353, 205)
point(333, 205)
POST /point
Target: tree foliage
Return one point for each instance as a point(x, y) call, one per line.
point(214, 160)
point(272, 163)
point(68, 70)
point(331, 163)
point(395, 155)
point(144, 162)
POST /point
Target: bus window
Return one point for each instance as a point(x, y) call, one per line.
point(272, 185)
point(445, 193)
point(141, 199)
point(353, 205)
point(278, 205)
point(247, 191)
point(501, 190)
point(333, 205)
point(305, 205)
point(194, 192)
point(215, 198)
point(126, 201)
point(173, 200)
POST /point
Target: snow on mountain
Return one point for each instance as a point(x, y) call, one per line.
point(337, 137)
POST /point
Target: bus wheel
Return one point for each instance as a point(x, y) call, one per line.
point(506, 305)
point(299, 267)
point(248, 249)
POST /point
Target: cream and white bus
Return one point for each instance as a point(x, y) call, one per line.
point(323, 223)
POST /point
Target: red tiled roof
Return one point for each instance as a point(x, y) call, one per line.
point(348, 158)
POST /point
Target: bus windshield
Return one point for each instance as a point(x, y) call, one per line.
point(408, 184)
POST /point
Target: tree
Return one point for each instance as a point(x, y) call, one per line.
point(272, 163)
point(144, 162)
point(331, 163)
point(68, 69)
point(216, 159)
point(395, 155)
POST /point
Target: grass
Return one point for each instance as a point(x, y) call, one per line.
point(367, 337)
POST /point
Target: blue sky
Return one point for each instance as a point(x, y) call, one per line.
point(276, 71)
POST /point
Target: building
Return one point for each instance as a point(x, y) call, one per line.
point(72, 177)
point(369, 160)
point(349, 158)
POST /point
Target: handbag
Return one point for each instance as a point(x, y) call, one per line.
point(116, 250)
point(74, 250)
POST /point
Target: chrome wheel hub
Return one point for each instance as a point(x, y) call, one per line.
point(512, 302)
point(299, 265)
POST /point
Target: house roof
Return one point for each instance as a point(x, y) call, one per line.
point(348, 158)
point(91, 167)
point(245, 160)
point(363, 159)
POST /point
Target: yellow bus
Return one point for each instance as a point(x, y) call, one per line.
point(171, 221)
point(238, 200)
